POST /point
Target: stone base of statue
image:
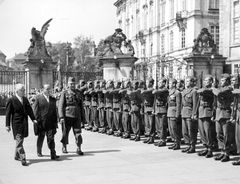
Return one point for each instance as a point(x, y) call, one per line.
point(117, 67)
point(39, 72)
point(201, 65)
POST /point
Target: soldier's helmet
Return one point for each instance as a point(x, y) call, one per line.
point(117, 84)
point(102, 84)
point(82, 83)
point(96, 83)
point(71, 80)
point(90, 84)
point(109, 84)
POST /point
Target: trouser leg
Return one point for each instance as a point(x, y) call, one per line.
point(176, 129)
point(135, 123)
point(40, 140)
point(170, 129)
point(193, 129)
point(109, 117)
point(185, 131)
point(220, 135)
point(65, 131)
point(208, 132)
point(126, 122)
point(95, 119)
point(161, 126)
point(101, 113)
point(19, 152)
point(50, 141)
point(202, 132)
point(228, 136)
point(237, 136)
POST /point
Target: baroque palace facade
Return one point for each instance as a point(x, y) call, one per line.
point(162, 32)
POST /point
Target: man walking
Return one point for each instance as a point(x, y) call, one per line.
point(45, 111)
point(17, 111)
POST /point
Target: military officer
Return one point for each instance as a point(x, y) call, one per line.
point(108, 106)
point(87, 105)
point(81, 87)
point(117, 111)
point(69, 114)
point(135, 100)
point(224, 98)
point(173, 114)
point(205, 113)
point(101, 106)
point(160, 111)
point(126, 109)
point(188, 112)
point(148, 100)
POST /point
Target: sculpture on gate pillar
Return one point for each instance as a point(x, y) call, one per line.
point(37, 49)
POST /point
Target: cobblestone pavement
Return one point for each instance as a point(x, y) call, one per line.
point(109, 160)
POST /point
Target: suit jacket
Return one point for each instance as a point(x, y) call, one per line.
point(174, 103)
point(45, 113)
point(189, 103)
point(17, 114)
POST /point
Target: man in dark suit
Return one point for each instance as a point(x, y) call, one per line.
point(45, 111)
point(17, 111)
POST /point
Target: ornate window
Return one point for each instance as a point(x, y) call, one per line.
point(163, 44)
point(213, 4)
point(214, 30)
point(183, 44)
point(171, 41)
point(172, 9)
point(236, 21)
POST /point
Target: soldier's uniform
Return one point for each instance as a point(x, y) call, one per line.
point(117, 111)
point(87, 106)
point(81, 88)
point(108, 107)
point(205, 124)
point(94, 107)
point(101, 106)
point(69, 110)
point(126, 107)
point(160, 110)
point(173, 114)
point(188, 112)
point(223, 115)
point(135, 100)
point(148, 100)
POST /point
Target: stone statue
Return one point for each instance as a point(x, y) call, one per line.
point(204, 43)
point(130, 48)
point(37, 49)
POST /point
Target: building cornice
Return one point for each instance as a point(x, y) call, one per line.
point(119, 3)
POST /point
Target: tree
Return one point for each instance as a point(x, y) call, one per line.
point(64, 53)
point(84, 50)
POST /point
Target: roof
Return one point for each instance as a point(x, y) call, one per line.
point(2, 53)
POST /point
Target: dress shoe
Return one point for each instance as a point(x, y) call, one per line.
point(161, 144)
point(79, 152)
point(209, 154)
point(137, 139)
point(151, 141)
point(186, 149)
point(236, 162)
point(39, 154)
point(64, 149)
point(219, 157)
point(191, 150)
point(126, 136)
point(133, 138)
point(24, 162)
point(225, 158)
point(203, 152)
point(176, 147)
point(95, 129)
point(54, 157)
point(17, 158)
point(171, 146)
point(146, 141)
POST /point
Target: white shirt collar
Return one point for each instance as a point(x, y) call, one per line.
point(47, 97)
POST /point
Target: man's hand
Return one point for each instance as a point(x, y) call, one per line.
point(35, 121)
point(62, 121)
point(8, 128)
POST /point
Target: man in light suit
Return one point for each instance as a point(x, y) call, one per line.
point(45, 111)
point(17, 111)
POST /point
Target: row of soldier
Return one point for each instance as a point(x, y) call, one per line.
point(121, 108)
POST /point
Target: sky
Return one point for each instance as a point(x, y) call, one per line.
point(71, 18)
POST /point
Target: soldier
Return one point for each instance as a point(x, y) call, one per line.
point(189, 125)
point(148, 100)
point(236, 120)
point(69, 114)
point(205, 113)
point(180, 85)
point(117, 109)
point(94, 106)
point(108, 106)
point(125, 109)
point(135, 99)
point(173, 114)
point(87, 105)
point(224, 99)
point(160, 111)
point(81, 87)
point(101, 106)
